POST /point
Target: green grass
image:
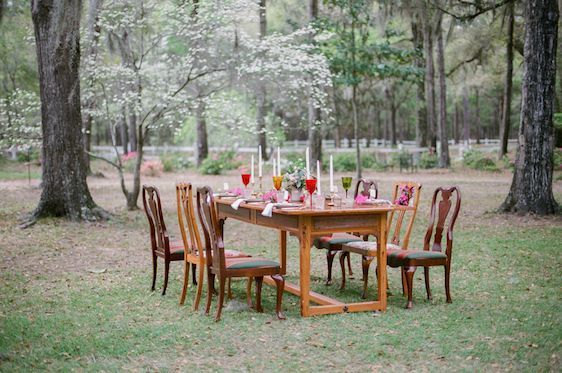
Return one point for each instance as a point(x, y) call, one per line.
point(55, 314)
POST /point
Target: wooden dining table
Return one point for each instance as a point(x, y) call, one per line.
point(308, 223)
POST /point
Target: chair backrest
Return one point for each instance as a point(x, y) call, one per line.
point(191, 239)
point(214, 246)
point(367, 185)
point(153, 209)
point(414, 190)
point(438, 219)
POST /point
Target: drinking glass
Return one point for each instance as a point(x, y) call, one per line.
point(346, 183)
point(277, 182)
point(246, 181)
point(311, 187)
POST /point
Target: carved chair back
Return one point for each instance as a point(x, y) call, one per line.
point(367, 185)
point(438, 219)
point(153, 209)
point(208, 217)
point(400, 212)
point(191, 238)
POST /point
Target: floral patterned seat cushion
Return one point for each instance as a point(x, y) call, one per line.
point(368, 248)
point(328, 242)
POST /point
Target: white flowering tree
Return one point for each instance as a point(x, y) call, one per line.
point(20, 120)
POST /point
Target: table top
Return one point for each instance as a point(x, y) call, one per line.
point(306, 210)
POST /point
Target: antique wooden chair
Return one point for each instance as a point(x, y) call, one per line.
point(333, 243)
point(218, 265)
point(432, 253)
point(191, 241)
point(159, 238)
point(368, 249)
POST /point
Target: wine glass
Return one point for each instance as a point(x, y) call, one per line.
point(246, 181)
point(277, 182)
point(346, 183)
point(311, 187)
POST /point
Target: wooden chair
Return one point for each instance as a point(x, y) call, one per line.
point(191, 241)
point(368, 249)
point(159, 238)
point(432, 253)
point(334, 242)
point(222, 267)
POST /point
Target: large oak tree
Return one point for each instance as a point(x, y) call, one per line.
point(57, 37)
point(531, 188)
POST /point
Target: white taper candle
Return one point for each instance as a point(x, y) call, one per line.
point(307, 163)
point(331, 174)
point(318, 181)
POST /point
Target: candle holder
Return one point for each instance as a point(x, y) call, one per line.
point(260, 190)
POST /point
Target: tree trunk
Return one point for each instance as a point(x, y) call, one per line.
point(314, 112)
point(506, 116)
point(57, 37)
point(356, 132)
point(124, 131)
point(132, 128)
point(429, 75)
point(477, 123)
point(94, 30)
point(419, 62)
point(465, 115)
point(201, 124)
point(444, 160)
point(261, 91)
point(531, 188)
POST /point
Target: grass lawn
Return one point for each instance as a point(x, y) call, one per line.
point(77, 296)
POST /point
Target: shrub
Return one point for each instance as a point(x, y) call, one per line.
point(401, 159)
point(344, 162)
point(211, 166)
point(128, 161)
point(175, 162)
point(508, 164)
point(428, 160)
point(557, 158)
point(229, 159)
point(33, 156)
point(476, 160)
point(152, 168)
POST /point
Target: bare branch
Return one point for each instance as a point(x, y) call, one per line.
point(471, 16)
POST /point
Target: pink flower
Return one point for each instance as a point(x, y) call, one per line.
point(405, 195)
point(361, 199)
point(270, 196)
point(237, 191)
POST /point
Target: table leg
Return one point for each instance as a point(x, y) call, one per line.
point(381, 261)
point(305, 245)
point(283, 251)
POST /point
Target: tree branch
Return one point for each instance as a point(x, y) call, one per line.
point(471, 16)
point(102, 159)
point(473, 58)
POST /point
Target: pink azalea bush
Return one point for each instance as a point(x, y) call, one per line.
point(152, 168)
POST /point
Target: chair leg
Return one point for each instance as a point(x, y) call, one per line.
point(349, 267)
point(249, 292)
point(193, 270)
point(185, 283)
point(410, 283)
point(343, 254)
point(404, 283)
point(154, 268)
point(210, 282)
point(166, 272)
point(229, 291)
point(199, 288)
point(447, 283)
point(330, 259)
point(259, 283)
point(280, 283)
point(222, 283)
point(427, 288)
point(365, 263)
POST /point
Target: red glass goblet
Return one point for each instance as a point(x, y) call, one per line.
point(246, 179)
point(311, 187)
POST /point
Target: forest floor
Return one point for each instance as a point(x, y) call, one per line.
point(77, 296)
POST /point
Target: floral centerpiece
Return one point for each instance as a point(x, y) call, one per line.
point(295, 179)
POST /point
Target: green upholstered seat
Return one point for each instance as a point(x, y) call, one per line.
point(252, 263)
point(327, 242)
point(397, 258)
